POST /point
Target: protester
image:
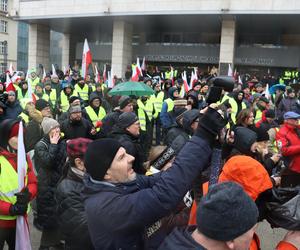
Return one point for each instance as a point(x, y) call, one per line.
point(111, 172)
point(12, 203)
point(70, 207)
point(13, 107)
point(50, 157)
point(168, 105)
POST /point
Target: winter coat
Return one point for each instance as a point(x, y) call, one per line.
point(105, 104)
point(13, 110)
point(181, 238)
point(65, 116)
point(133, 147)
point(71, 214)
point(288, 142)
point(76, 130)
point(49, 160)
point(286, 104)
point(109, 121)
point(118, 214)
point(34, 133)
point(173, 133)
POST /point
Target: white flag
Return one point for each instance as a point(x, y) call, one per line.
point(22, 230)
point(53, 71)
point(230, 72)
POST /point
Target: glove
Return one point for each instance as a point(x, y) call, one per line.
point(18, 209)
point(23, 197)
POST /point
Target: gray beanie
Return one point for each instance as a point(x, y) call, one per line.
point(48, 124)
point(126, 119)
point(75, 109)
point(226, 212)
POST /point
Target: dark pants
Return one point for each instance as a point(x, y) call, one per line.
point(158, 131)
point(8, 235)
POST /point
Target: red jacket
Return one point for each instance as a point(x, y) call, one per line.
point(32, 187)
point(288, 143)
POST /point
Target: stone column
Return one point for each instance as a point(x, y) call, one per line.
point(227, 46)
point(65, 50)
point(39, 46)
point(121, 47)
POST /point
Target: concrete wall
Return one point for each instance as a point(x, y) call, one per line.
point(31, 9)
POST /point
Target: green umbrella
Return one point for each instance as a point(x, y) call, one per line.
point(131, 88)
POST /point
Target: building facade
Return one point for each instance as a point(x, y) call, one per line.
point(246, 34)
point(8, 36)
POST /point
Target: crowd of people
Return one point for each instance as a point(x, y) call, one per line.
point(164, 171)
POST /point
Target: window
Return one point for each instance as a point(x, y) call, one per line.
point(3, 67)
point(3, 5)
point(3, 48)
point(3, 26)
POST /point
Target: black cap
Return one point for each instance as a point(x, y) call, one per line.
point(41, 104)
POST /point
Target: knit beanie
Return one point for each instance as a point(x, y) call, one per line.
point(48, 124)
point(289, 90)
point(76, 148)
point(41, 104)
point(99, 156)
point(75, 109)
point(270, 113)
point(124, 101)
point(226, 212)
point(126, 119)
point(73, 98)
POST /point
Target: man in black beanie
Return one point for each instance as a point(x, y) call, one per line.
point(127, 132)
point(226, 219)
point(121, 204)
point(111, 119)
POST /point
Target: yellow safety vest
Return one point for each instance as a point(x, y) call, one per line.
point(170, 103)
point(9, 185)
point(51, 97)
point(83, 93)
point(64, 101)
point(44, 97)
point(158, 102)
point(34, 83)
point(142, 109)
point(24, 117)
point(20, 95)
point(17, 88)
point(234, 108)
point(94, 117)
point(258, 116)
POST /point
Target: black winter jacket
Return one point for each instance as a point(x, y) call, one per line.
point(109, 121)
point(132, 146)
point(71, 213)
point(49, 160)
point(181, 238)
point(81, 129)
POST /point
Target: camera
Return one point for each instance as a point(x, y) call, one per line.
point(217, 85)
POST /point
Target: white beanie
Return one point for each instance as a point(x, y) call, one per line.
point(48, 124)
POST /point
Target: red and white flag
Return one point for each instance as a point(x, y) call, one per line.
point(186, 86)
point(230, 72)
point(97, 75)
point(104, 73)
point(136, 71)
point(11, 69)
point(144, 64)
point(9, 84)
point(240, 80)
point(22, 229)
point(86, 58)
point(194, 78)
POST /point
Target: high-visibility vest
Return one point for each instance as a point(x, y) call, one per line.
point(83, 93)
point(170, 103)
point(94, 117)
point(21, 96)
point(51, 97)
point(16, 87)
point(9, 185)
point(142, 110)
point(34, 83)
point(158, 102)
point(24, 117)
point(234, 108)
point(64, 101)
point(258, 116)
point(44, 97)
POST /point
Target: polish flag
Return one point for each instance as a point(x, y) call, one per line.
point(44, 74)
point(194, 78)
point(136, 71)
point(9, 84)
point(104, 73)
point(22, 229)
point(240, 80)
point(185, 87)
point(16, 77)
point(97, 75)
point(111, 79)
point(172, 75)
point(230, 72)
point(86, 58)
point(144, 64)
point(267, 92)
point(11, 69)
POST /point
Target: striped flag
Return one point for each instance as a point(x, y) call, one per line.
point(86, 58)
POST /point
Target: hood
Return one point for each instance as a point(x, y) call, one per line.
point(235, 96)
point(94, 96)
point(194, 96)
point(249, 173)
point(244, 138)
point(180, 238)
point(171, 92)
point(5, 128)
